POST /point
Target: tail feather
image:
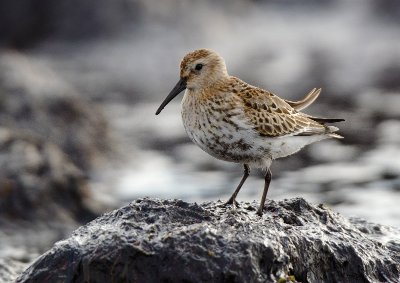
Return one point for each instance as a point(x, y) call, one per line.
point(336, 136)
point(306, 101)
point(325, 120)
point(331, 130)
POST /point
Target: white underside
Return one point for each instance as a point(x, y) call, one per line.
point(285, 146)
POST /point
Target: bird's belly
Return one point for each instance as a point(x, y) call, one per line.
point(224, 148)
point(222, 140)
point(228, 143)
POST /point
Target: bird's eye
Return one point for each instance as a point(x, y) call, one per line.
point(198, 67)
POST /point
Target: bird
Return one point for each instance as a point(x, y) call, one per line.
point(234, 121)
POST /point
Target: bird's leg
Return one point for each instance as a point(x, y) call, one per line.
point(232, 199)
point(268, 177)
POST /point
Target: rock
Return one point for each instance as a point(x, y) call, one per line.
point(50, 137)
point(39, 182)
point(34, 99)
point(153, 240)
point(43, 198)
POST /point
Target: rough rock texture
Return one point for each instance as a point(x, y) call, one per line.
point(174, 241)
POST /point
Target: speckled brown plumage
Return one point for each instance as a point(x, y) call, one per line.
point(237, 122)
point(270, 115)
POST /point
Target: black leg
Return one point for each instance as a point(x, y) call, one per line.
point(268, 177)
point(232, 199)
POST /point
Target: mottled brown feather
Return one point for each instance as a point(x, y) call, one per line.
point(271, 115)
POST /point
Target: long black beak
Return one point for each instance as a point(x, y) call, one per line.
point(180, 86)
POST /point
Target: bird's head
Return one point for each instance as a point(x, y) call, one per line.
point(199, 69)
point(202, 68)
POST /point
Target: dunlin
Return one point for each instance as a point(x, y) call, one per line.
point(237, 122)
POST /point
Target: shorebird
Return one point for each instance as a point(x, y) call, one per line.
point(237, 122)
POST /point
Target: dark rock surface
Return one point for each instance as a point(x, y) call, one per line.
point(153, 240)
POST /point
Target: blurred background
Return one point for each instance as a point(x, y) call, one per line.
point(80, 82)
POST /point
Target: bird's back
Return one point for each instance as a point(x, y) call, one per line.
point(272, 116)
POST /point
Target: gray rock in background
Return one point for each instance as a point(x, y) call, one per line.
point(154, 240)
point(36, 100)
point(43, 197)
point(38, 182)
point(50, 138)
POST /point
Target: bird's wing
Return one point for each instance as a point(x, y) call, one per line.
point(306, 101)
point(272, 116)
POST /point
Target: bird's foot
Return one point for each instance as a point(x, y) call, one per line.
point(232, 202)
point(260, 211)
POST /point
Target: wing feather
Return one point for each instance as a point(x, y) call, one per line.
point(272, 116)
point(306, 101)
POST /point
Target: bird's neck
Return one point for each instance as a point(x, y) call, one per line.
point(210, 86)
